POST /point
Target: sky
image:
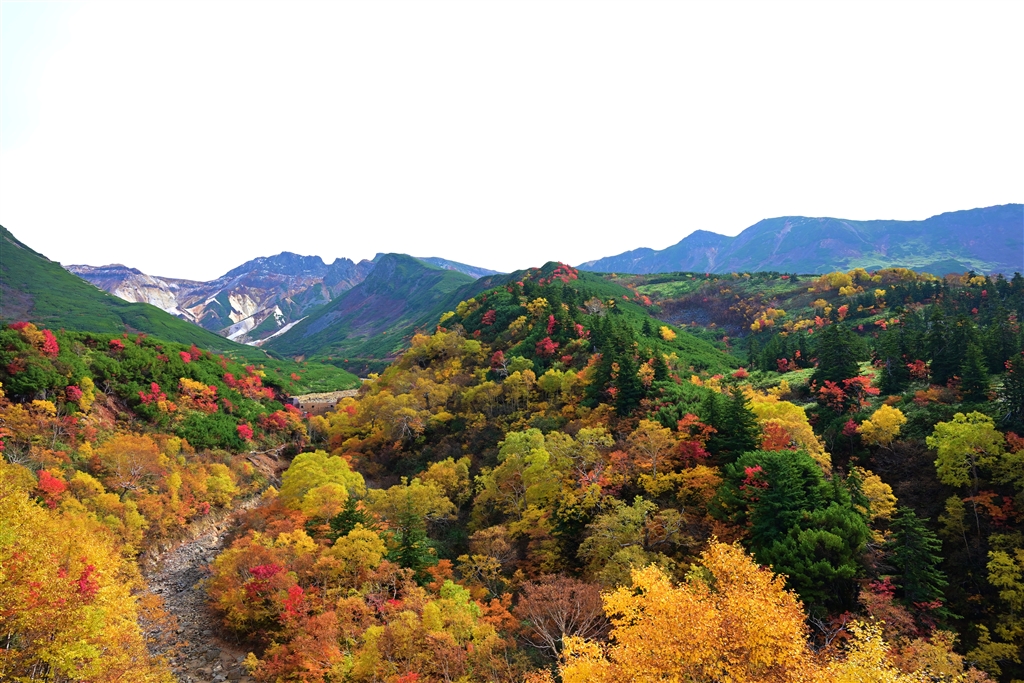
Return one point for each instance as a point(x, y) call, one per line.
point(184, 138)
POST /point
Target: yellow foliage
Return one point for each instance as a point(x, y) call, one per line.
point(731, 620)
point(45, 407)
point(667, 333)
point(878, 493)
point(793, 419)
point(883, 426)
point(538, 306)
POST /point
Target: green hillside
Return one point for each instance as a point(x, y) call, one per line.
point(36, 289)
point(365, 327)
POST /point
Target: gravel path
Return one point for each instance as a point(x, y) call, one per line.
point(193, 641)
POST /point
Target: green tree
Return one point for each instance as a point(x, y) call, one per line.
point(736, 430)
point(915, 552)
point(838, 351)
point(973, 375)
point(801, 524)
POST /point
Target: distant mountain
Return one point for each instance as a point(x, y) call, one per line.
point(989, 240)
point(472, 271)
point(38, 290)
point(257, 300)
point(373, 321)
point(248, 303)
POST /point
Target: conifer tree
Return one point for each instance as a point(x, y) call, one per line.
point(837, 355)
point(914, 552)
point(973, 376)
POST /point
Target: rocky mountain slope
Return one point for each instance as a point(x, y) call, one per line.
point(248, 303)
point(988, 240)
point(259, 299)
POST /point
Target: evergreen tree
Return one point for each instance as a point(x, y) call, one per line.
point(837, 351)
point(630, 389)
point(1012, 393)
point(735, 424)
point(647, 331)
point(660, 368)
point(894, 376)
point(413, 550)
point(346, 520)
point(802, 525)
point(915, 553)
point(973, 376)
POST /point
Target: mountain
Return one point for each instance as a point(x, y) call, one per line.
point(35, 289)
point(248, 303)
point(257, 300)
point(374, 320)
point(988, 240)
point(472, 271)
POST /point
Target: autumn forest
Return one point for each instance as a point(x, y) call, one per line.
point(565, 476)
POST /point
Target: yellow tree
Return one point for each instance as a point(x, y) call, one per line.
point(731, 620)
point(883, 426)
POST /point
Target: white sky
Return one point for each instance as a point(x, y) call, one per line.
point(184, 138)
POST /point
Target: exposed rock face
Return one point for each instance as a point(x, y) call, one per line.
point(247, 304)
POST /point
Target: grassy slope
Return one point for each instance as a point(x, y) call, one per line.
point(374, 321)
point(36, 289)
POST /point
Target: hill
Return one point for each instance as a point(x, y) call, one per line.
point(374, 320)
point(987, 240)
point(36, 289)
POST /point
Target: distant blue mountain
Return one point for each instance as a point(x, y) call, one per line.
point(988, 240)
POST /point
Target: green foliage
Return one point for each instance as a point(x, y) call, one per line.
point(801, 524)
point(915, 553)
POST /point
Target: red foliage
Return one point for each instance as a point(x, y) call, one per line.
point(295, 377)
point(50, 347)
point(87, 585)
point(186, 357)
point(293, 604)
point(775, 438)
point(19, 326)
point(51, 488)
point(551, 323)
point(116, 345)
point(546, 347)
point(72, 393)
point(489, 317)
point(850, 428)
point(741, 374)
point(918, 369)
point(276, 421)
point(581, 332)
point(155, 394)
point(1016, 443)
point(244, 431)
point(783, 364)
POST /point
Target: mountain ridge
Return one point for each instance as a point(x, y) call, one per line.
point(254, 301)
point(988, 239)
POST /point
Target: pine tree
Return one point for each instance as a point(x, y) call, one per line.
point(346, 520)
point(413, 549)
point(894, 376)
point(973, 376)
point(630, 389)
point(837, 352)
point(915, 552)
point(735, 424)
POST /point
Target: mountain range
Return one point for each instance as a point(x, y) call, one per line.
point(253, 302)
point(988, 240)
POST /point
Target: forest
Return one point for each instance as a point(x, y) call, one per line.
point(568, 477)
